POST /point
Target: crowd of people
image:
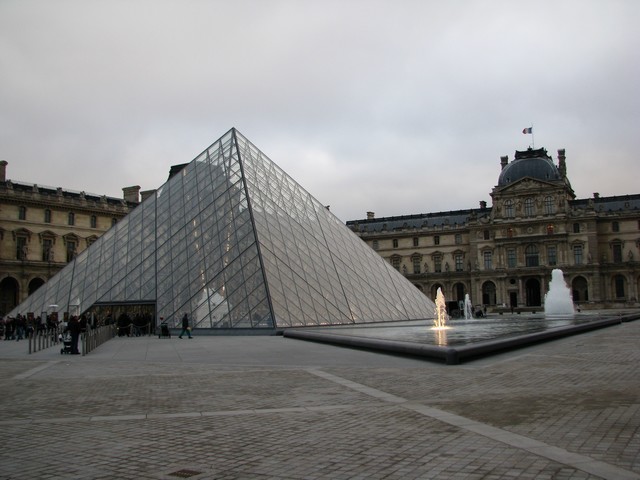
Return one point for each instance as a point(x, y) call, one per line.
point(21, 327)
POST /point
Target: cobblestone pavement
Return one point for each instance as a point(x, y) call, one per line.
point(271, 407)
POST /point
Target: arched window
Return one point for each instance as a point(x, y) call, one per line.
point(489, 293)
point(531, 256)
point(528, 207)
point(580, 289)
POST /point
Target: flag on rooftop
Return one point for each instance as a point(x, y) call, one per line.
point(527, 130)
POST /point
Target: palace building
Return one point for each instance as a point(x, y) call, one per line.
point(44, 228)
point(503, 255)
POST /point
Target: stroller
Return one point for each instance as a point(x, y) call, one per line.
point(66, 341)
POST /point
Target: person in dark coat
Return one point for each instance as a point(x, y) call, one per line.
point(74, 330)
point(185, 327)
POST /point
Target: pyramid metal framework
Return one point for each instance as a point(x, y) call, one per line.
point(235, 243)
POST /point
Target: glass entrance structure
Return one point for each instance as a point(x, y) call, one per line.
point(235, 243)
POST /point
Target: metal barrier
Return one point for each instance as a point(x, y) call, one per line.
point(39, 340)
point(92, 339)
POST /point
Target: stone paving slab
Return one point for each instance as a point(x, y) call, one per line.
point(274, 408)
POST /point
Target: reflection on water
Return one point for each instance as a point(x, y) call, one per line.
point(458, 332)
point(441, 336)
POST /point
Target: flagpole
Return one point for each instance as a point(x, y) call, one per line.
point(533, 141)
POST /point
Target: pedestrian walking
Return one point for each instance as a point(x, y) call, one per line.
point(185, 327)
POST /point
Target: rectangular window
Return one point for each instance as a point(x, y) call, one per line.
point(615, 227)
point(47, 250)
point(376, 245)
point(549, 206)
point(511, 258)
point(508, 209)
point(617, 253)
point(577, 254)
point(576, 228)
point(395, 243)
point(619, 281)
point(47, 216)
point(71, 250)
point(437, 264)
point(94, 221)
point(528, 207)
point(21, 248)
point(22, 213)
point(416, 242)
point(436, 239)
point(552, 256)
point(71, 218)
point(416, 265)
point(487, 260)
point(458, 239)
point(395, 262)
point(459, 265)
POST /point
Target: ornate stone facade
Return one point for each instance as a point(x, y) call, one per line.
point(503, 255)
point(42, 228)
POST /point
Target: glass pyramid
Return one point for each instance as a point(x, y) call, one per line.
point(235, 243)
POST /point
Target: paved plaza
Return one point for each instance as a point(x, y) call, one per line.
point(273, 407)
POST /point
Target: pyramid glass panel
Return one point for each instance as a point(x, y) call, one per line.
point(235, 243)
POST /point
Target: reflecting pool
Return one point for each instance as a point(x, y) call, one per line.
point(460, 331)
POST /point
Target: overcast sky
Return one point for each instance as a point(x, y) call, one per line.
point(397, 107)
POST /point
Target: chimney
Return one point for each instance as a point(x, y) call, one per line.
point(3, 170)
point(371, 215)
point(146, 194)
point(596, 195)
point(562, 164)
point(175, 169)
point(483, 204)
point(503, 161)
point(131, 194)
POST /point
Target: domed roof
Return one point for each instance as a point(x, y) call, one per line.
point(530, 163)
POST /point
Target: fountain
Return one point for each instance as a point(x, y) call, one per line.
point(468, 307)
point(440, 322)
point(471, 338)
point(557, 301)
